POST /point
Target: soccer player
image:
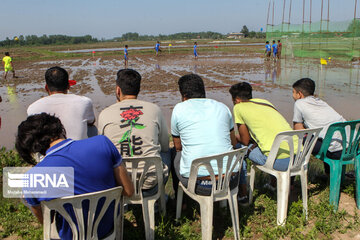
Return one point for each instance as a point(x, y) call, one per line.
point(279, 49)
point(126, 56)
point(267, 50)
point(195, 50)
point(274, 50)
point(157, 48)
point(8, 66)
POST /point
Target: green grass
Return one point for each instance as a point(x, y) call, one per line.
point(257, 221)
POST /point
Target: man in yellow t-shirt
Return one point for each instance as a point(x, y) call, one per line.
point(258, 120)
point(8, 66)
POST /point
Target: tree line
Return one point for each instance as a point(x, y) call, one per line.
point(133, 36)
point(47, 40)
point(130, 36)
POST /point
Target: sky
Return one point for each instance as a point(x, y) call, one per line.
point(112, 18)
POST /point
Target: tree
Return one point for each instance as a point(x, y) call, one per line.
point(245, 31)
point(354, 27)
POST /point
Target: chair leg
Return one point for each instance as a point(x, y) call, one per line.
point(304, 192)
point(122, 220)
point(283, 187)
point(234, 211)
point(47, 224)
point(357, 175)
point(252, 181)
point(180, 194)
point(335, 181)
point(163, 202)
point(206, 212)
point(148, 208)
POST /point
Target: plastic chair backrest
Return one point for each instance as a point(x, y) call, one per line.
point(299, 158)
point(138, 178)
point(350, 144)
point(220, 188)
point(78, 230)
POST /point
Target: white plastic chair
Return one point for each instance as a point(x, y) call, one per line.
point(220, 189)
point(148, 203)
point(298, 165)
point(78, 230)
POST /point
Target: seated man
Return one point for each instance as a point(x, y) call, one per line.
point(200, 127)
point(96, 162)
point(137, 128)
point(312, 112)
point(258, 123)
point(75, 112)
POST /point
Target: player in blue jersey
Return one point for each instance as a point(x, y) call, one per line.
point(195, 50)
point(126, 56)
point(274, 50)
point(157, 48)
point(267, 50)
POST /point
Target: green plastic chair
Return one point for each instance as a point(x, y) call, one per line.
point(350, 155)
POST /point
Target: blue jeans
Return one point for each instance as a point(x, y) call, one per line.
point(257, 157)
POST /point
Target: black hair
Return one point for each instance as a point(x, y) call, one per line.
point(57, 79)
point(129, 81)
point(278, 40)
point(195, 42)
point(273, 41)
point(36, 133)
point(7, 54)
point(192, 86)
point(126, 46)
point(242, 90)
point(267, 41)
point(305, 85)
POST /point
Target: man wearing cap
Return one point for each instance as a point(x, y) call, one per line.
point(75, 112)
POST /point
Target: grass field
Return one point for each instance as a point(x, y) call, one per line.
point(257, 221)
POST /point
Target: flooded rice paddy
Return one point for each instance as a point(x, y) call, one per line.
point(337, 83)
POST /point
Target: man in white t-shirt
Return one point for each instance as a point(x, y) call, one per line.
point(75, 112)
point(312, 112)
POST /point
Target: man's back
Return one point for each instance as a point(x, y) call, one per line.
point(263, 122)
point(203, 126)
point(93, 161)
point(7, 60)
point(144, 123)
point(315, 113)
point(75, 112)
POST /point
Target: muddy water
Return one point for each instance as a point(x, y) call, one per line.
point(337, 83)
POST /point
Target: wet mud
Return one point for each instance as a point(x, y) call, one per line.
point(337, 83)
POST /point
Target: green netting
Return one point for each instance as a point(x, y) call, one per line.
point(318, 40)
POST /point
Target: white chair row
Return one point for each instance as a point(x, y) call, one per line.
point(220, 189)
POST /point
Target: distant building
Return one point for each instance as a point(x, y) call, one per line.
point(235, 35)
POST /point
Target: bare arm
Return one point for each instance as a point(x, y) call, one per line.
point(233, 138)
point(177, 143)
point(298, 126)
point(244, 134)
point(123, 179)
point(36, 210)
